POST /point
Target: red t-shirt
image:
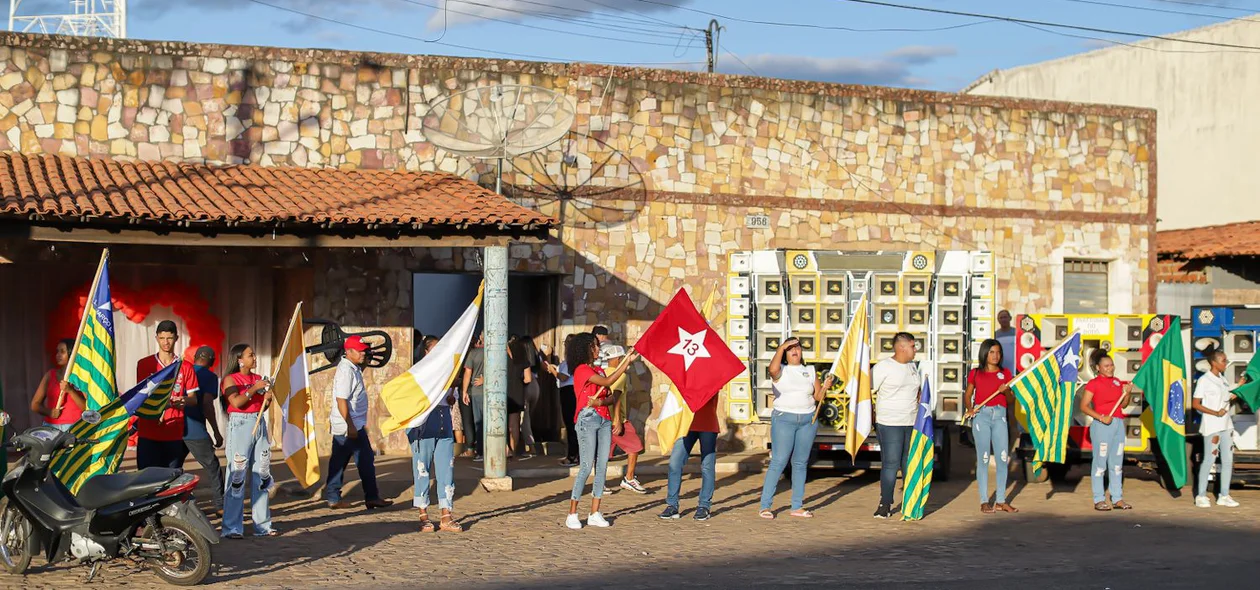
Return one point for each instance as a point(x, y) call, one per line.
point(986, 384)
point(583, 389)
point(706, 420)
point(243, 382)
point(171, 425)
point(70, 410)
point(1107, 391)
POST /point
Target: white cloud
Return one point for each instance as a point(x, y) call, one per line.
point(467, 11)
point(889, 69)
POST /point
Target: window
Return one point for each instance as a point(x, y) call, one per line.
point(1085, 286)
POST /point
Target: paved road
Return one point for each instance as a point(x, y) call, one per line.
point(517, 540)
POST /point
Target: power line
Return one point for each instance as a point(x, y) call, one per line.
point(1133, 45)
point(538, 28)
point(1216, 7)
point(816, 26)
point(1160, 10)
point(741, 61)
point(457, 46)
point(620, 26)
point(648, 21)
point(1014, 20)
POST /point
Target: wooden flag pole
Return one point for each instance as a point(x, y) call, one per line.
point(275, 371)
point(1124, 396)
point(87, 308)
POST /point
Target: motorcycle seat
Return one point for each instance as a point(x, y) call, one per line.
point(104, 490)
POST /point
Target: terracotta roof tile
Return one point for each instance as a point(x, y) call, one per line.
point(1234, 239)
point(66, 187)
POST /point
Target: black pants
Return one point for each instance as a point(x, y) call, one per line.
point(568, 407)
point(203, 451)
point(160, 453)
point(471, 435)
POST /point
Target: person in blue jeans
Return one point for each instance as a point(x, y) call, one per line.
point(433, 458)
point(704, 429)
point(987, 399)
point(1104, 400)
point(897, 384)
point(248, 447)
point(348, 421)
point(594, 423)
point(792, 425)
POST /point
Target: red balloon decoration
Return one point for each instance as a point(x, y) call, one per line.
point(204, 328)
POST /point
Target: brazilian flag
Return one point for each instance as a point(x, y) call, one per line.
point(1163, 379)
point(1250, 392)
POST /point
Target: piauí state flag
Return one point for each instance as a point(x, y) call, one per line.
point(292, 390)
point(675, 418)
point(1163, 379)
point(412, 396)
point(1046, 390)
point(77, 465)
point(682, 345)
point(92, 356)
point(852, 369)
point(921, 458)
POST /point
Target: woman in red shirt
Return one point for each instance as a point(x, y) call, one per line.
point(48, 394)
point(987, 399)
point(1104, 400)
point(593, 420)
point(248, 450)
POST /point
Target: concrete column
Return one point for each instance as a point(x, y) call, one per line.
point(494, 451)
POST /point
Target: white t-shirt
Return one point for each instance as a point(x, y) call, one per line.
point(794, 391)
point(897, 388)
point(348, 385)
point(1213, 392)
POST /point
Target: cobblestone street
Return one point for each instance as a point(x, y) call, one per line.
point(517, 540)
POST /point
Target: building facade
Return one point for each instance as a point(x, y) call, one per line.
point(663, 176)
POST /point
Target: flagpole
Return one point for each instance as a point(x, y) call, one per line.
point(87, 308)
point(275, 371)
point(848, 331)
point(1051, 353)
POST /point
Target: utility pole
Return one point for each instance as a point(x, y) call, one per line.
point(711, 43)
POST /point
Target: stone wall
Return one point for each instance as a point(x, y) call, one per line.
point(667, 166)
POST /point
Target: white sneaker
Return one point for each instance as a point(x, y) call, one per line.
point(633, 485)
point(573, 522)
point(597, 520)
point(1202, 502)
point(1227, 502)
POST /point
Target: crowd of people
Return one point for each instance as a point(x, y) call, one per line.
point(592, 383)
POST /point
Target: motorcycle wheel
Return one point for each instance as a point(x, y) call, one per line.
point(17, 539)
point(189, 563)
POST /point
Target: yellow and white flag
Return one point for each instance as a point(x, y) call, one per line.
point(675, 418)
point(292, 391)
point(411, 397)
point(853, 368)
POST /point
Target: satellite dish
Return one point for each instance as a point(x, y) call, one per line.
point(500, 121)
point(586, 176)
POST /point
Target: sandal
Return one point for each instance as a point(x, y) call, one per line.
point(450, 525)
point(426, 525)
point(1122, 505)
point(270, 533)
point(1102, 507)
point(986, 508)
point(766, 514)
point(1004, 507)
point(802, 513)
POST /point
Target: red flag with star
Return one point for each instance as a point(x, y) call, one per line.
point(682, 345)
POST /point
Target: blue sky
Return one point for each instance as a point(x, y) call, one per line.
point(650, 31)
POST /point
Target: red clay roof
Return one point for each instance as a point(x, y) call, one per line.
point(91, 188)
point(1234, 239)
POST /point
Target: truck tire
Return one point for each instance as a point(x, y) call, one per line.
point(941, 467)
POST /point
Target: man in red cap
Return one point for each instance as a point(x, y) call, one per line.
point(349, 429)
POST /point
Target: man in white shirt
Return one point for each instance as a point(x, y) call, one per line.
point(897, 384)
point(348, 419)
point(1212, 400)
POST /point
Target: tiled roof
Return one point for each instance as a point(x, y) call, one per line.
point(60, 187)
point(1235, 239)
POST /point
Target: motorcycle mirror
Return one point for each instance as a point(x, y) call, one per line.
point(4, 419)
point(91, 417)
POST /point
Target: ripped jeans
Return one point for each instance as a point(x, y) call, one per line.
point(432, 458)
point(1108, 442)
point(990, 431)
point(246, 454)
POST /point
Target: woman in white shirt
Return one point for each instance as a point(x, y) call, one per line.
point(1211, 399)
point(792, 425)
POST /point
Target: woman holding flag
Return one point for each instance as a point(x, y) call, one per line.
point(248, 446)
point(1104, 401)
point(792, 425)
point(594, 422)
point(49, 393)
point(988, 396)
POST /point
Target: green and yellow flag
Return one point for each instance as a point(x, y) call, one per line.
point(1250, 392)
point(1163, 379)
point(91, 366)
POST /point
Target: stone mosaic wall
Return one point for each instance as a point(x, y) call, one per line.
point(667, 164)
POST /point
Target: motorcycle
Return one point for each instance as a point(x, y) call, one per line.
point(147, 517)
